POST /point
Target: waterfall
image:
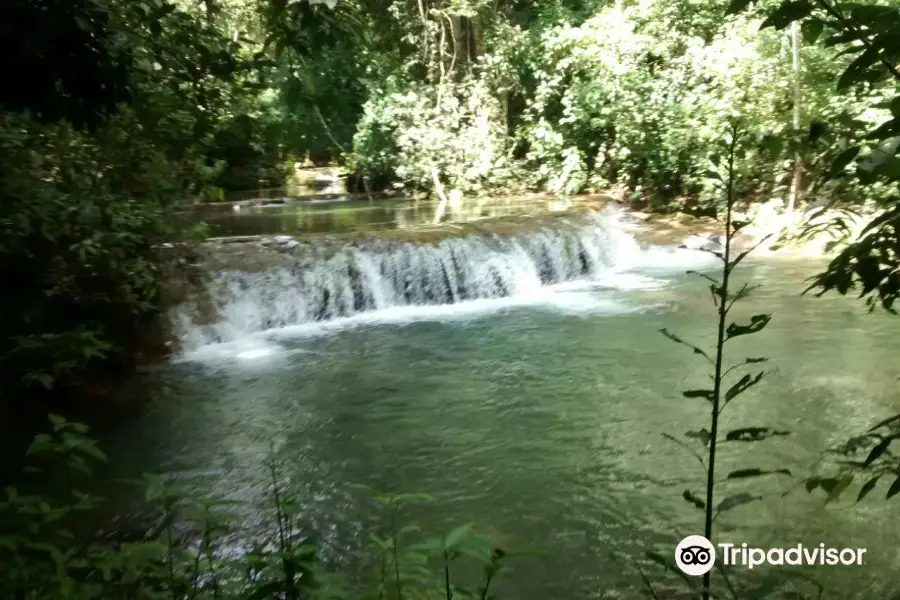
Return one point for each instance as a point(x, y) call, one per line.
point(356, 278)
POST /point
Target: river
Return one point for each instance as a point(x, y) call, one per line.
point(539, 417)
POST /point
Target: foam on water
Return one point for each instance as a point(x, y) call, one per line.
point(581, 267)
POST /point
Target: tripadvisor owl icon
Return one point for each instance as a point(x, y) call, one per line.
point(695, 555)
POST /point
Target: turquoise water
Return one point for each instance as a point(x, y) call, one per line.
point(540, 420)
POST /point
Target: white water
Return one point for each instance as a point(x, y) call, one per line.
point(562, 267)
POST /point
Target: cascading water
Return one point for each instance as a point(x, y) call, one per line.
point(353, 279)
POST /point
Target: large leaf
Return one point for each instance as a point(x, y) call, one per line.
point(873, 16)
point(811, 30)
point(787, 13)
point(843, 159)
point(857, 71)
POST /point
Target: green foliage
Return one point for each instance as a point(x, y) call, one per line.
point(82, 221)
point(580, 96)
point(69, 64)
point(85, 222)
point(412, 133)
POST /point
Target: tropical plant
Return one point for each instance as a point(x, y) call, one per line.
point(728, 382)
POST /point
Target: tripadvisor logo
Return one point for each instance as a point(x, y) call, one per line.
point(695, 555)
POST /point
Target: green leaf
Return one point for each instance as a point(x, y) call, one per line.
point(842, 484)
point(857, 70)
point(873, 16)
point(691, 498)
point(743, 385)
point(868, 487)
point(773, 145)
point(889, 169)
point(737, 6)
point(787, 13)
point(886, 130)
point(703, 435)
point(811, 30)
point(894, 489)
point(877, 451)
point(745, 473)
point(678, 340)
point(828, 484)
point(757, 323)
point(707, 394)
point(816, 130)
point(894, 106)
point(736, 500)
point(457, 536)
point(843, 159)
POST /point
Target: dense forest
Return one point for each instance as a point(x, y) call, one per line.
point(116, 114)
point(124, 111)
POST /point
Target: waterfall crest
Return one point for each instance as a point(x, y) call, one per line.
point(353, 279)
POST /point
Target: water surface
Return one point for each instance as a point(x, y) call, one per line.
point(540, 420)
point(336, 215)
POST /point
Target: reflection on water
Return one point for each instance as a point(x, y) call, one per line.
point(337, 216)
point(543, 425)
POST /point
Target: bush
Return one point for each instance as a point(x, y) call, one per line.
point(82, 235)
point(409, 132)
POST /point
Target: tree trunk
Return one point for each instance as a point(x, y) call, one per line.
point(460, 42)
point(439, 188)
point(798, 166)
